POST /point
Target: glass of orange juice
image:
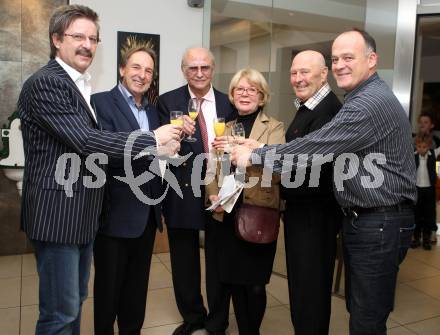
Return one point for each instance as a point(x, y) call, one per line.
point(176, 118)
point(193, 112)
point(219, 130)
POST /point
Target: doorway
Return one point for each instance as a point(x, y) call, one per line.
point(426, 82)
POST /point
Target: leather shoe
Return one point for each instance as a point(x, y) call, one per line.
point(427, 245)
point(187, 328)
point(415, 243)
point(216, 333)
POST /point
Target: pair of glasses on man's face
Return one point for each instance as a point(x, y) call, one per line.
point(195, 69)
point(83, 38)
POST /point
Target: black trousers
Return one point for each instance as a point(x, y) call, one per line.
point(310, 230)
point(249, 301)
point(425, 212)
point(122, 268)
point(185, 266)
point(218, 294)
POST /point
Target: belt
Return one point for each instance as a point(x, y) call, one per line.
point(356, 211)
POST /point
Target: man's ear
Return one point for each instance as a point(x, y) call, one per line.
point(324, 74)
point(372, 60)
point(121, 71)
point(56, 40)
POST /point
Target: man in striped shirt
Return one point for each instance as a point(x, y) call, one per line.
point(62, 184)
point(374, 178)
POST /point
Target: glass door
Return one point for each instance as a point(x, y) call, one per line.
point(267, 34)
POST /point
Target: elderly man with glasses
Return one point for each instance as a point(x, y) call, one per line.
point(186, 216)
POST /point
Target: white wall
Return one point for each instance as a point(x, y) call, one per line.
point(178, 25)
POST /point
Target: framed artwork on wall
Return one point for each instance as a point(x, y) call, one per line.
point(127, 39)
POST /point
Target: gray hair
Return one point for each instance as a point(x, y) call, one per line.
point(370, 43)
point(189, 50)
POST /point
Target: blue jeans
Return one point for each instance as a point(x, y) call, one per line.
point(374, 246)
point(63, 270)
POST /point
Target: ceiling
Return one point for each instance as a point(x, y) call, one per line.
point(235, 21)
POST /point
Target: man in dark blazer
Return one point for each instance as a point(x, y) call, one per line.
point(124, 243)
point(186, 216)
point(62, 185)
point(312, 218)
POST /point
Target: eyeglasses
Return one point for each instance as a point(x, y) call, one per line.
point(195, 69)
point(251, 91)
point(83, 38)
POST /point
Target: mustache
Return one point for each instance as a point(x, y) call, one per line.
point(84, 52)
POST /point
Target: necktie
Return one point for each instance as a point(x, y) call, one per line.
point(203, 129)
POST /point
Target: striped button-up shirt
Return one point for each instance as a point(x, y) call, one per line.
point(370, 140)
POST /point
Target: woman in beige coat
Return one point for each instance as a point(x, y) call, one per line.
point(235, 267)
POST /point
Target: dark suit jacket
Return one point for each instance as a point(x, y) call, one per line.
point(305, 122)
point(188, 212)
point(123, 214)
point(56, 121)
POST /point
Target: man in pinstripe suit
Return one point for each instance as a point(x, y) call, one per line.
point(61, 195)
point(373, 133)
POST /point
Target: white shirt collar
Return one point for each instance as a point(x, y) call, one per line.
point(209, 96)
point(428, 153)
point(81, 80)
point(74, 74)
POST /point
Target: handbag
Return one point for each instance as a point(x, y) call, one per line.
point(257, 224)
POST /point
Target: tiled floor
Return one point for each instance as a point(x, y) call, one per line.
point(417, 299)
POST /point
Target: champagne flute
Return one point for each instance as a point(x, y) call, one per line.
point(193, 112)
point(237, 134)
point(176, 118)
point(219, 130)
point(238, 130)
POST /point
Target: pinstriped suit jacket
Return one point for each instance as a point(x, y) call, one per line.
point(55, 120)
